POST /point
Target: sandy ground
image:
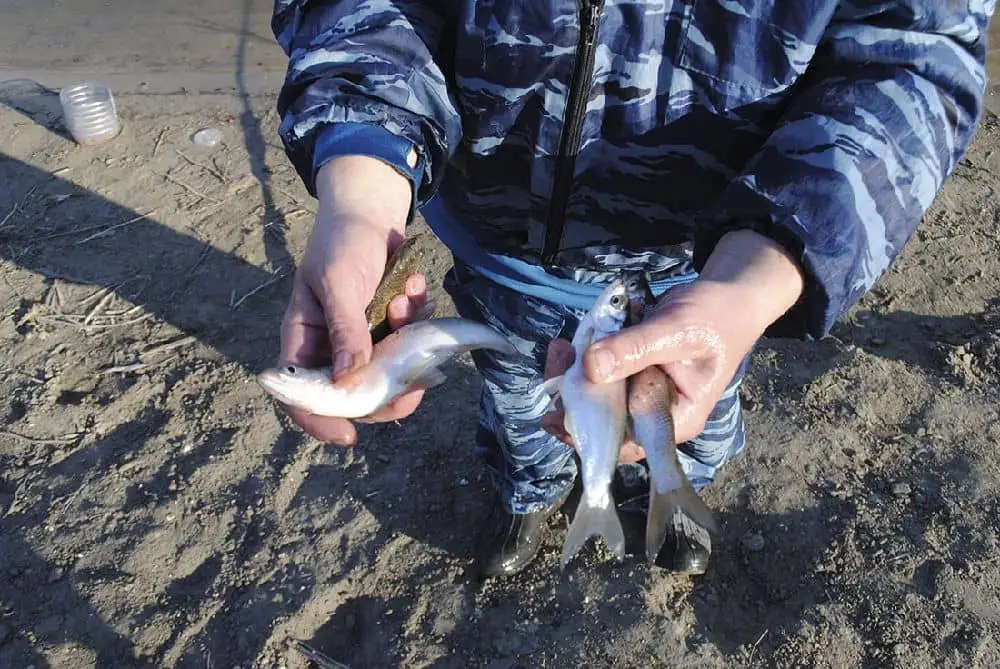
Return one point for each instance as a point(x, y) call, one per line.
point(157, 510)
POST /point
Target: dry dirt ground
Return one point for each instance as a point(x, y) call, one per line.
point(157, 510)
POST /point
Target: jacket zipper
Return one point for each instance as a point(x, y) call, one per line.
point(569, 142)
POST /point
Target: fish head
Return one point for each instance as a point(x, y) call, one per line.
point(611, 308)
point(295, 385)
point(640, 295)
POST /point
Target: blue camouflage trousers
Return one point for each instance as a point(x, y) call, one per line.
point(531, 469)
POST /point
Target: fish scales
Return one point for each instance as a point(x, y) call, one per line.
point(651, 398)
point(405, 261)
point(408, 359)
point(595, 419)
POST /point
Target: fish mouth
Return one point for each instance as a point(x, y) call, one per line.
point(271, 381)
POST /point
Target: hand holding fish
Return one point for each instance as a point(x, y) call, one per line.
point(560, 357)
point(363, 206)
point(697, 334)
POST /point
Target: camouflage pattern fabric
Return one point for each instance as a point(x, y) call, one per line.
point(531, 469)
point(828, 125)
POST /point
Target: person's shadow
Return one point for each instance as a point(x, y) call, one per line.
point(67, 235)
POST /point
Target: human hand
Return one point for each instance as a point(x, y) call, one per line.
point(357, 227)
point(698, 334)
point(559, 358)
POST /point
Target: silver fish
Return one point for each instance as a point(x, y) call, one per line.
point(405, 360)
point(651, 396)
point(595, 419)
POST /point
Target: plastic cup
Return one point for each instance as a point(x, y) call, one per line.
point(89, 112)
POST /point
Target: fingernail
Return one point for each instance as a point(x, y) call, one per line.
point(342, 362)
point(414, 286)
point(399, 307)
point(604, 362)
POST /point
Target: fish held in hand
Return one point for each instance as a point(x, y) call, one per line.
point(405, 261)
point(595, 419)
point(651, 395)
point(407, 359)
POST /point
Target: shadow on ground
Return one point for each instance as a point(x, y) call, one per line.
point(38, 103)
point(43, 239)
point(591, 614)
point(418, 479)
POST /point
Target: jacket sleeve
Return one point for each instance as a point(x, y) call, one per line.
point(888, 107)
point(365, 77)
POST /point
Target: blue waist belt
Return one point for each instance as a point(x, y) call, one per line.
point(525, 278)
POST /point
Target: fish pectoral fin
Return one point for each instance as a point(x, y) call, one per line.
point(431, 377)
point(568, 425)
point(425, 375)
point(553, 386)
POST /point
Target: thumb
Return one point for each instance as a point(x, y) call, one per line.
point(344, 313)
point(629, 351)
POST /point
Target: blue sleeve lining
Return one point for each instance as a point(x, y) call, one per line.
point(362, 139)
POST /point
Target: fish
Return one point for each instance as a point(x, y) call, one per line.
point(594, 416)
point(407, 359)
point(404, 261)
point(651, 396)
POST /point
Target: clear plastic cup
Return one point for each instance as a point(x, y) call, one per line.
point(89, 112)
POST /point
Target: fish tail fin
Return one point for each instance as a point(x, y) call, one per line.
point(594, 520)
point(663, 506)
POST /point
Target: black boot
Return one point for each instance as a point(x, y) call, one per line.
point(509, 542)
point(687, 547)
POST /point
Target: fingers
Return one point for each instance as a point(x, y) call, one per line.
point(399, 408)
point(618, 356)
point(303, 336)
point(559, 357)
point(350, 340)
point(652, 342)
point(404, 308)
point(331, 430)
point(552, 423)
point(631, 452)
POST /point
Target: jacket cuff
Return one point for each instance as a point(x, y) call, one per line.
point(361, 139)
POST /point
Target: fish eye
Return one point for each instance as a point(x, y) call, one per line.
point(617, 301)
point(290, 369)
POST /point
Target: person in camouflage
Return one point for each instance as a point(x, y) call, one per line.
point(763, 161)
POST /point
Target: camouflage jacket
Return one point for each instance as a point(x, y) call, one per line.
point(569, 132)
